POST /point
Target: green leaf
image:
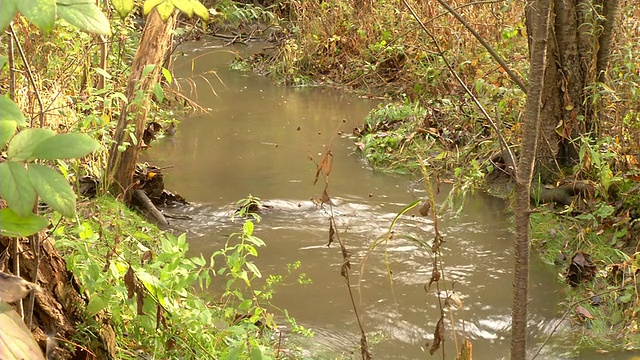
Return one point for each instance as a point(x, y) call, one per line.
point(65, 146)
point(8, 11)
point(16, 188)
point(200, 10)
point(167, 75)
point(256, 353)
point(95, 305)
point(11, 111)
point(13, 225)
point(165, 9)
point(53, 189)
point(254, 269)
point(15, 337)
point(159, 93)
point(186, 6)
point(123, 7)
point(7, 129)
point(22, 145)
point(150, 4)
point(41, 13)
point(85, 15)
point(4, 59)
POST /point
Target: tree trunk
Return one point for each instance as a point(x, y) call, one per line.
point(579, 45)
point(540, 14)
point(155, 42)
point(610, 14)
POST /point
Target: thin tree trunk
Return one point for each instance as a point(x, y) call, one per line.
point(540, 18)
point(155, 42)
point(610, 13)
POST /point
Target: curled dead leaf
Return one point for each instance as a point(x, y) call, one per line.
point(438, 336)
point(130, 282)
point(583, 313)
point(425, 208)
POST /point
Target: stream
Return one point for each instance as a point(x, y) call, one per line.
point(257, 138)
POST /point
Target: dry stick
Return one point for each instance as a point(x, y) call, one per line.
point(503, 142)
point(12, 94)
point(495, 55)
point(30, 76)
point(364, 349)
point(12, 73)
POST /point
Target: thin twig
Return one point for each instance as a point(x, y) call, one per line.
point(495, 127)
point(30, 76)
point(486, 45)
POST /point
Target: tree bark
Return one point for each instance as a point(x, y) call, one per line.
point(540, 15)
point(610, 14)
point(155, 42)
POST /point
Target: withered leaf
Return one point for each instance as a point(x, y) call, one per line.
point(140, 299)
point(466, 353)
point(425, 208)
point(364, 348)
point(583, 313)
point(328, 165)
point(160, 319)
point(130, 282)
point(435, 274)
point(346, 262)
point(324, 198)
point(332, 233)
point(581, 269)
point(438, 336)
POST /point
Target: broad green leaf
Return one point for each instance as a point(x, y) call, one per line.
point(13, 225)
point(53, 189)
point(10, 111)
point(22, 145)
point(85, 15)
point(167, 75)
point(123, 7)
point(65, 146)
point(15, 337)
point(8, 11)
point(165, 9)
point(41, 13)
point(150, 4)
point(158, 92)
point(16, 188)
point(95, 305)
point(256, 353)
point(7, 129)
point(200, 10)
point(4, 59)
point(186, 6)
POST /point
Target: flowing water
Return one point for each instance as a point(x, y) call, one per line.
point(257, 139)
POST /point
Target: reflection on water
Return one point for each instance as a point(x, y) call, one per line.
point(257, 140)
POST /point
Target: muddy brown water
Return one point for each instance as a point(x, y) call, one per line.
point(257, 138)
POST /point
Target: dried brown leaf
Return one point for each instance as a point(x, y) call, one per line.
point(438, 336)
point(140, 299)
point(425, 208)
point(160, 319)
point(435, 274)
point(332, 233)
point(346, 262)
point(130, 282)
point(583, 313)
